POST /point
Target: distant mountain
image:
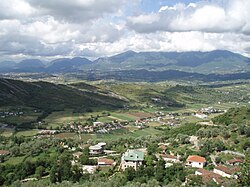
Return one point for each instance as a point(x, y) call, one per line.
point(68, 65)
point(49, 97)
point(7, 65)
point(217, 62)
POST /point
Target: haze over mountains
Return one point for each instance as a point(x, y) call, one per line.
point(218, 61)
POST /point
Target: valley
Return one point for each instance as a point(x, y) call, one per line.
point(77, 113)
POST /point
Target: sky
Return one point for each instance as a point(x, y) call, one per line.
point(48, 29)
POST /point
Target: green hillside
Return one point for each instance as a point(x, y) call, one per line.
point(47, 96)
point(234, 115)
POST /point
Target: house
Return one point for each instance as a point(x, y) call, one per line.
point(89, 169)
point(169, 158)
point(226, 171)
point(132, 158)
point(106, 162)
point(201, 115)
point(4, 152)
point(97, 149)
point(196, 161)
point(234, 162)
point(208, 176)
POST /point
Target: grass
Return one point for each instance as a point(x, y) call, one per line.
point(124, 116)
point(15, 160)
point(27, 133)
point(63, 117)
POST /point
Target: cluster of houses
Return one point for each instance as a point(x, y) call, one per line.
point(96, 127)
point(134, 158)
point(6, 114)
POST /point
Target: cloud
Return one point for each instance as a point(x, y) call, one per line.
point(93, 28)
point(204, 16)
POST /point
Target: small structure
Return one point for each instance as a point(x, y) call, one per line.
point(89, 169)
point(226, 171)
point(132, 158)
point(4, 152)
point(196, 161)
point(234, 162)
point(169, 158)
point(106, 162)
point(97, 149)
point(208, 176)
point(201, 115)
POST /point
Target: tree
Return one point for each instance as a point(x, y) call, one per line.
point(39, 172)
point(160, 170)
point(244, 174)
point(130, 173)
point(53, 174)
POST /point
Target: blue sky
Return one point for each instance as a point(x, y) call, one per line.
point(92, 28)
point(152, 6)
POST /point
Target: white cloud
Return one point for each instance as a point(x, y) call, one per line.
point(93, 28)
point(205, 16)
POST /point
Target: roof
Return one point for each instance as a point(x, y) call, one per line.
point(106, 161)
point(133, 155)
point(235, 160)
point(4, 152)
point(95, 147)
point(163, 147)
point(227, 170)
point(195, 158)
point(168, 156)
point(208, 176)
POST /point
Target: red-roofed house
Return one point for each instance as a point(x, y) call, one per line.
point(208, 176)
point(196, 161)
point(234, 162)
point(4, 152)
point(225, 171)
point(106, 162)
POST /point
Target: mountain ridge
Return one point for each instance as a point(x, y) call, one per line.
point(217, 61)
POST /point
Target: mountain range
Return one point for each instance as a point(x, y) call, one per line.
point(218, 61)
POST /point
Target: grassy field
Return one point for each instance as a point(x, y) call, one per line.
point(27, 133)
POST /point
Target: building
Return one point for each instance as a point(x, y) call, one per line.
point(106, 162)
point(97, 149)
point(196, 161)
point(208, 176)
point(169, 158)
point(201, 115)
point(234, 162)
point(226, 171)
point(4, 152)
point(89, 169)
point(132, 158)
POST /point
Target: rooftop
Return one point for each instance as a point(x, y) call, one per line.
point(133, 155)
point(195, 158)
point(227, 170)
point(4, 152)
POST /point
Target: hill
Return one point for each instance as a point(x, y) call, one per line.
point(47, 96)
point(217, 61)
point(234, 115)
point(212, 62)
point(68, 65)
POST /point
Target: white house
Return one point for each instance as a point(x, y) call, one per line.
point(169, 158)
point(196, 161)
point(97, 149)
point(226, 172)
point(132, 158)
point(106, 162)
